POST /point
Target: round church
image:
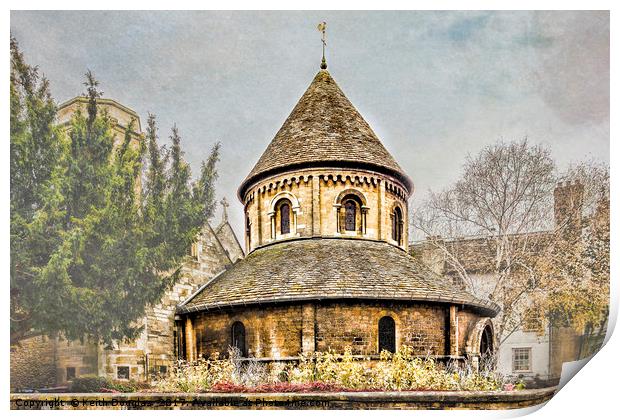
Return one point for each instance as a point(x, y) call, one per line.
point(328, 263)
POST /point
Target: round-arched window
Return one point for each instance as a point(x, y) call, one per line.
point(397, 226)
point(285, 218)
point(350, 209)
point(237, 333)
point(387, 334)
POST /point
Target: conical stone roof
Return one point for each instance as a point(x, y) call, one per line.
point(323, 269)
point(325, 129)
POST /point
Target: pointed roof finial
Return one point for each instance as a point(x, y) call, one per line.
point(225, 205)
point(322, 27)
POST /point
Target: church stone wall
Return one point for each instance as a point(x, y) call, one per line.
point(280, 331)
point(421, 326)
point(271, 332)
point(314, 197)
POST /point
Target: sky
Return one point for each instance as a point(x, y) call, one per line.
point(434, 86)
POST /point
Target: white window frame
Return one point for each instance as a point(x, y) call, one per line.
point(515, 350)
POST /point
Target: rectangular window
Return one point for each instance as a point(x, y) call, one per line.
point(522, 359)
point(70, 373)
point(122, 372)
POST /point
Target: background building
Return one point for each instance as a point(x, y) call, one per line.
point(538, 348)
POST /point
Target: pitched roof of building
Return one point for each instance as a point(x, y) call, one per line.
point(324, 129)
point(324, 269)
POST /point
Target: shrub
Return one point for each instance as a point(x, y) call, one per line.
point(330, 371)
point(101, 384)
point(199, 376)
point(88, 384)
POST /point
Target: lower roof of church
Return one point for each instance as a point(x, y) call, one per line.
point(329, 269)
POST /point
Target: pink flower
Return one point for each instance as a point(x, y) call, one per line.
point(509, 387)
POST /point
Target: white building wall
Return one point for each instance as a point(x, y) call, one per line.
point(538, 342)
point(539, 362)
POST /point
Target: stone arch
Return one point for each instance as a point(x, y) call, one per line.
point(279, 196)
point(274, 204)
point(361, 203)
point(397, 323)
point(483, 328)
point(387, 334)
point(238, 337)
point(351, 191)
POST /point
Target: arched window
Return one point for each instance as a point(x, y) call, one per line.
point(237, 333)
point(349, 215)
point(248, 229)
point(285, 218)
point(397, 226)
point(387, 334)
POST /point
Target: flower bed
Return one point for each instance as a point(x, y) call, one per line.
point(330, 372)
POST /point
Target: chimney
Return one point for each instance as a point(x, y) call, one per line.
point(568, 206)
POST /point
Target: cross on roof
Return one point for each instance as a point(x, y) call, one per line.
point(225, 205)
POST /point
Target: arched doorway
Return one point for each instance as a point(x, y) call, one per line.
point(486, 347)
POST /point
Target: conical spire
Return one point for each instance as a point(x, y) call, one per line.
point(325, 129)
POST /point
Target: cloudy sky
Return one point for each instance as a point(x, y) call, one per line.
point(435, 86)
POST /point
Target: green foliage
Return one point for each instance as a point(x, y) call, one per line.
point(88, 384)
point(99, 225)
point(37, 151)
point(102, 384)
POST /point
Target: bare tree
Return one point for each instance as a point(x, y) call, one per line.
point(493, 229)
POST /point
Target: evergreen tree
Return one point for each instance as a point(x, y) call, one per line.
point(37, 150)
point(99, 229)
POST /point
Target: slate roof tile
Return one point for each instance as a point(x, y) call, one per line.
point(324, 127)
point(322, 268)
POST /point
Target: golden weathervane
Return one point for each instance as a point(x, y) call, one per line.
point(322, 27)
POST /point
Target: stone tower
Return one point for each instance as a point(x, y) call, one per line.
point(568, 205)
point(325, 174)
